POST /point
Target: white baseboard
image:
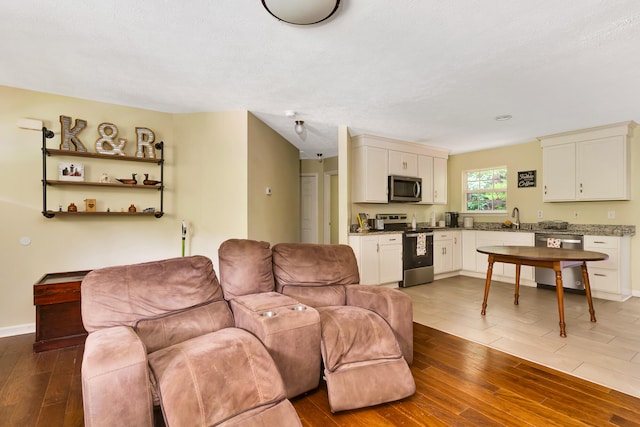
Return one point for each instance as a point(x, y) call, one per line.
point(9, 331)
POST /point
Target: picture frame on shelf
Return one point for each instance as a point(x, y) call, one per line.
point(70, 171)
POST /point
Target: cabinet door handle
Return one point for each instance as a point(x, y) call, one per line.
point(545, 189)
point(598, 274)
point(596, 241)
point(580, 187)
point(455, 240)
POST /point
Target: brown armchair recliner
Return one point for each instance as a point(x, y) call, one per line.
point(367, 331)
point(160, 333)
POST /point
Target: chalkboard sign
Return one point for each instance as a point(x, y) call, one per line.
point(526, 179)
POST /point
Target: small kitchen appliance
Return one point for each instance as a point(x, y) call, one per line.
point(451, 219)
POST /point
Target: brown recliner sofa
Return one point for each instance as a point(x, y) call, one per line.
point(290, 330)
point(160, 333)
point(366, 339)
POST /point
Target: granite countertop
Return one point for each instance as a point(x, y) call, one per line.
point(583, 229)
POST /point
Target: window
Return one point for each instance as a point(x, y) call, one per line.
point(485, 190)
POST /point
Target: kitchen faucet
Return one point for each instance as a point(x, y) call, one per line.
point(516, 214)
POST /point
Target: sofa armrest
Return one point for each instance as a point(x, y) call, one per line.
point(115, 379)
point(392, 305)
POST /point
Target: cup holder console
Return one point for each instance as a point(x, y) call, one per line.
point(299, 308)
point(268, 314)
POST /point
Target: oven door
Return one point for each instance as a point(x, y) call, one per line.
point(417, 250)
point(417, 258)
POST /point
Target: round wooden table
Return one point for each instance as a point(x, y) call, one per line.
point(553, 258)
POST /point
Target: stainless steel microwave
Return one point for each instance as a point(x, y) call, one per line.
point(405, 189)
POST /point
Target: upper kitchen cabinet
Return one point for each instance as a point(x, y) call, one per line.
point(369, 174)
point(439, 181)
point(375, 158)
point(404, 164)
point(587, 165)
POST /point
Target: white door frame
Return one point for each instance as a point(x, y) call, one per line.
point(313, 208)
point(327, 205)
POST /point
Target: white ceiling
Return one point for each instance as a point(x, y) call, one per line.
point(428, 71)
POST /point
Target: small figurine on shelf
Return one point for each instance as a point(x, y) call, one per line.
point(148, 181)
point(128, 181)
point(132, 208)
point(104, 178)
point(72, 208)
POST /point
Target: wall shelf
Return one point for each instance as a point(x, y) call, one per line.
point(48, 152)
point(55, 152)
point(51, 214)
point(104, 184)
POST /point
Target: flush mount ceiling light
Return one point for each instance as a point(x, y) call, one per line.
point(503, 118)
point(301, 12)
point(299, 127)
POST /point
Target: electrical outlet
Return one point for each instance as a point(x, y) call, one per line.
point(611, 214)
point(539, 214)
point(575, 214)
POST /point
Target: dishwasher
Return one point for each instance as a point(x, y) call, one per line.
point(571, 276)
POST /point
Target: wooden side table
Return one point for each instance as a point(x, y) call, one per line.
point(58, 316)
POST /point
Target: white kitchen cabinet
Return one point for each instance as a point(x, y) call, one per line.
point(369, 175)
point(559, 173)
point(469, 250)
point(425, 172)
point(379, 257)
point(404, 164)
point(439, 181)
point(374, 158)
point(503, 238)
point(610, 279)
point(390, 258)
point(447, 251)
point(586, 165)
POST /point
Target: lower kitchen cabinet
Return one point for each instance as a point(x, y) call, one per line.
point(610, 279)
point(447, 251)
point(501, 271)
point(379, 257)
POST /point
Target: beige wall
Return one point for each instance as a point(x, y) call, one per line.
point(211, 178)
point(208, 184)
point(62, 243)
point(273, 162)
point(528, 156)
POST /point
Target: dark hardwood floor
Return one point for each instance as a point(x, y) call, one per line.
point(459, 383)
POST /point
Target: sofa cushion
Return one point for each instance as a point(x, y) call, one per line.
point(316, 296)
point(245, 267)
point(307, 264)
point(122, 295)
point(173, 328)
point(212, 378)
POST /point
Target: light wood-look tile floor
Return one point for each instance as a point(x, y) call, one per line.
point(606, 352)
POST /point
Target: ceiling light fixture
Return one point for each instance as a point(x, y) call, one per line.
point(503, 118)
point(299, 127)
point(301, 12)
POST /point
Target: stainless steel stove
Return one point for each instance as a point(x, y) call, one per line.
point(417, 249)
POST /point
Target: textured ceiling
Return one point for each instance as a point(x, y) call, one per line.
point(429, 71)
